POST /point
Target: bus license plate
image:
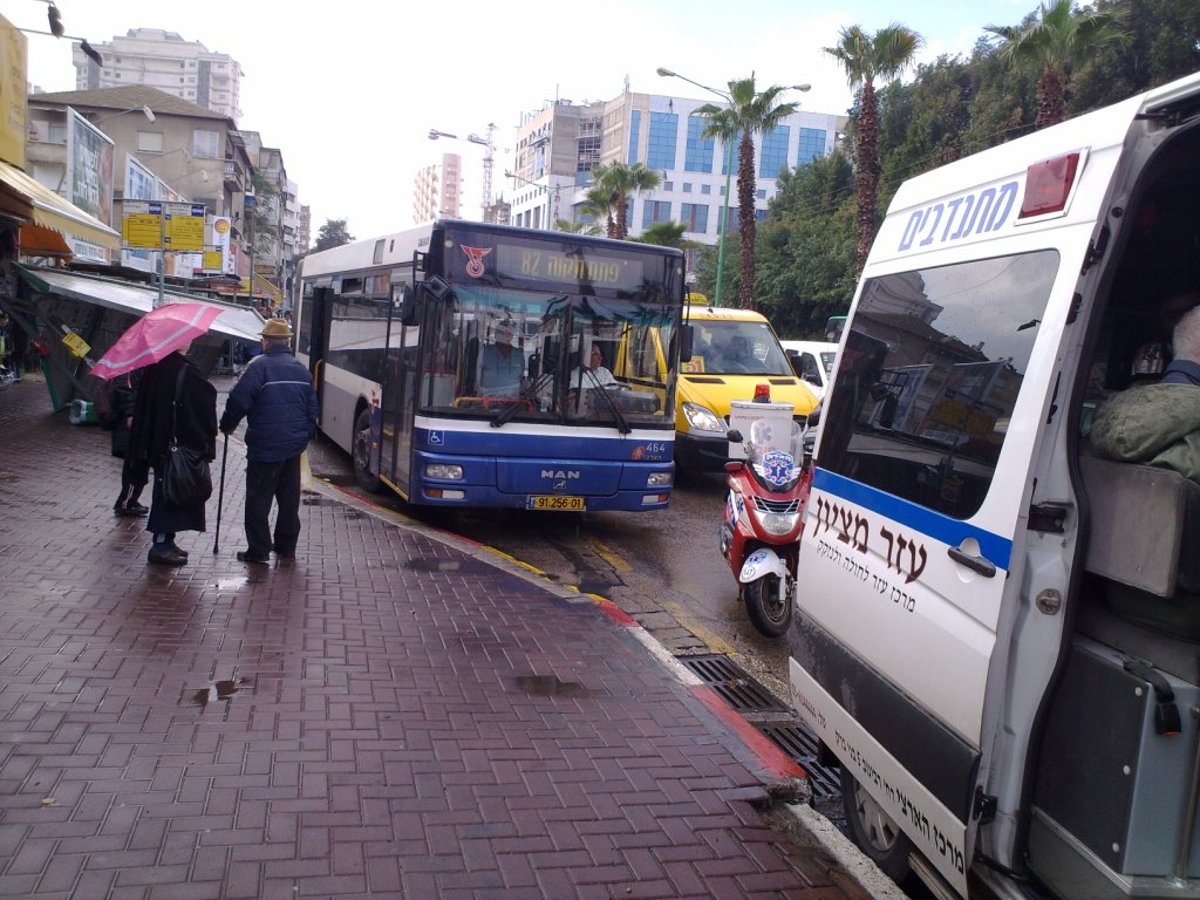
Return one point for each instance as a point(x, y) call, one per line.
point(555, 502)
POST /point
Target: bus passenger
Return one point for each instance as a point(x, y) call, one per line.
point(502, 366)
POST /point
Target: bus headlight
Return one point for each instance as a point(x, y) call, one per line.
point(658, 479)
point(777, 523)
point(444, 471)
point(701, 418)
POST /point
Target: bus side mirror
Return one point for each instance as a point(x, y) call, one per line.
point(409, 306)
point(687, 338)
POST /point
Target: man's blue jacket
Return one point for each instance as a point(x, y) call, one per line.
point(276, 396)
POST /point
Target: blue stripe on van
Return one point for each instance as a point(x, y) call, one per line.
point(921, 519)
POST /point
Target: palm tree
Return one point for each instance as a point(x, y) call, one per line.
point(599, 203)
point(865, 58)
point(590, 228)
point(1052, 45)
point(621, 181)
point(748, 113)
point(668, 234)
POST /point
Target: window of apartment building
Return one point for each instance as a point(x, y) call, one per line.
point(206, 143)
point(655, 211)
point(664, 134)
point(635, 128)
point(698, 156)
point(761, 194)
point(668, 185)
point(706, 188)
point(773, 158)
point(733, 217)
point(812, 145)
point(695, 217)
point(149, 141)
point(687, 187)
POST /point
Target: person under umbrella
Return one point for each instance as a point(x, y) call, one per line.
point(173, 399)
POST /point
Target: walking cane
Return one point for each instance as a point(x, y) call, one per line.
point(220, 498)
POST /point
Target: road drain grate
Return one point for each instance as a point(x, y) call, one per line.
point(732, 682)
point(799, 743)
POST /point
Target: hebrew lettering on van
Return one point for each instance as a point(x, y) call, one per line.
point(902, 806)
point(974, 213)
point(904, 555)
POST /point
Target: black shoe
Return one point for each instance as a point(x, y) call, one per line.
point(166, 556)
point(133, 509)
point(247, 557)
point(285, 554)
point(178, 549)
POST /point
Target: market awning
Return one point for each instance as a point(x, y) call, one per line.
point(236, 322)
point(51, 211)
point(39, 241)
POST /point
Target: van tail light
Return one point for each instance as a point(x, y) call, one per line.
point(1048, 185)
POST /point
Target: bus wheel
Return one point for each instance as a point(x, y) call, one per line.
point(876, 834)
point(362, 454)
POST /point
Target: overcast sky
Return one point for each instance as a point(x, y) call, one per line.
point(349, 91)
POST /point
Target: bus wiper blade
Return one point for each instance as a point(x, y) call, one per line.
point(615, 409)
point(506, 414)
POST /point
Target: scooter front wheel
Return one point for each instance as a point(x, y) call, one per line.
point(768, 605)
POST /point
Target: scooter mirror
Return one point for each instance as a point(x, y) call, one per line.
point(734, 436)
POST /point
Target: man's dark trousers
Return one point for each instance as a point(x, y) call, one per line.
point(278, 481)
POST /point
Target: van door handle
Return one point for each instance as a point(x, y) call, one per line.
point(984, 567)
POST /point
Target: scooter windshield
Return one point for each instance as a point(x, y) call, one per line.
point(775, 452)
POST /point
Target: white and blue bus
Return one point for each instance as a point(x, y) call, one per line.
point(398, 333)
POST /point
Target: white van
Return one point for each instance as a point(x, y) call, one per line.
point(813, 362)
point(998, 636)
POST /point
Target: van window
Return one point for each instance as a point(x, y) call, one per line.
point(929, 377)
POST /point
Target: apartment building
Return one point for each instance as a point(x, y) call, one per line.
point(437, 190)
point(164, 60)
point(559, 144)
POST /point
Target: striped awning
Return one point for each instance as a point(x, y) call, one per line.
point(49, 210)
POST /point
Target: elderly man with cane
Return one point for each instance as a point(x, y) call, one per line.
point(276, 396)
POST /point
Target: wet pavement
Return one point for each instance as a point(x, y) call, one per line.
point(395, 713)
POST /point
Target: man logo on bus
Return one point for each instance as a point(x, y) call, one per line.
point(475, 257)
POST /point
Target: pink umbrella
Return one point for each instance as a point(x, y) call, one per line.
point(155, 336)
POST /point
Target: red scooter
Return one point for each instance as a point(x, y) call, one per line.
point(764, 515)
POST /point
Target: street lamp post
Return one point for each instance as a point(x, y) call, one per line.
point(488, 158)
point(724, 229)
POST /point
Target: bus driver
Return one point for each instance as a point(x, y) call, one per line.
point(502, 366)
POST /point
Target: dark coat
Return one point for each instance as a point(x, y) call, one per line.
point(124, 394)
point(276, 396)
point(150, 438)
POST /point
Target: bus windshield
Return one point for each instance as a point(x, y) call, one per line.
point(528, 355)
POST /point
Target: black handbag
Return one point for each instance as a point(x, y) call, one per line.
point(188, 479)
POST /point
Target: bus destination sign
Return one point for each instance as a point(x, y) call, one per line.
point(543, 264)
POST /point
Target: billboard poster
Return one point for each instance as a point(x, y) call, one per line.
point(90, 158)
point(12, 94)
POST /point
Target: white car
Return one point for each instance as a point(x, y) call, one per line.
point(813, 362)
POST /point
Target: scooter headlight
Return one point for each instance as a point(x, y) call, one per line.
point(777, 524)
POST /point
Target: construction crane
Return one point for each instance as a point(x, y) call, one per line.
point(488, 159)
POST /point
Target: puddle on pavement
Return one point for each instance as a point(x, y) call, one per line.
point(217, 690)
point(467, 566)
point(551, 686)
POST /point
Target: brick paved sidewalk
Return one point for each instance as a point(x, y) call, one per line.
point(390, 715)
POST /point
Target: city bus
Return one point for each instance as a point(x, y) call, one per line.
point(404, 335)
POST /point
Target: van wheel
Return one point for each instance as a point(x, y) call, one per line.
point(876, 834)
point(362, 454)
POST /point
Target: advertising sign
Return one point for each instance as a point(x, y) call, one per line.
point(220, 229)
point(13, 65)
point(90, 155)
